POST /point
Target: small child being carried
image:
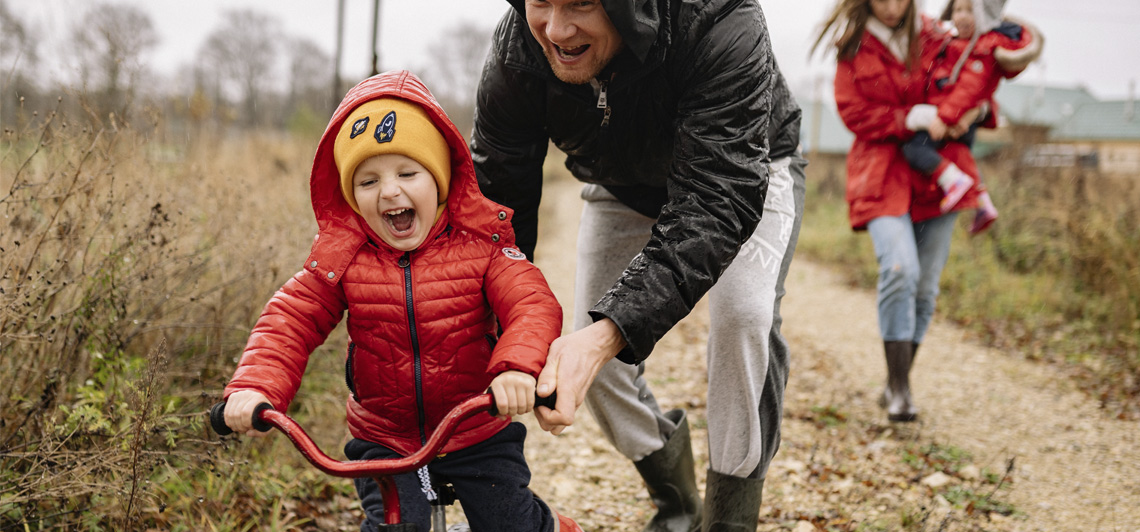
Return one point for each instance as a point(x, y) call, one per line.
point(963, 77)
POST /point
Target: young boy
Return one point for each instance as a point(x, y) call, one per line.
point(964, 76)
point(424, 264)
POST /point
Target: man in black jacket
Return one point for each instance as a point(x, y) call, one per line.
point(678, 120)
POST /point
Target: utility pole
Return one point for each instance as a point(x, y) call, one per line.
point(375, 37)
point(337, 95)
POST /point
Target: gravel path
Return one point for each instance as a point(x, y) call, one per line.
point(1004, 444)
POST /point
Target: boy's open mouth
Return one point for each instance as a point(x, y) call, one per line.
point(400, 220)
point(571, 53)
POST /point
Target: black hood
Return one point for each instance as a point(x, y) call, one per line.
point(637, 21)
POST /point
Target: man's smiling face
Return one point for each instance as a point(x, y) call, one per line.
point(577, 36)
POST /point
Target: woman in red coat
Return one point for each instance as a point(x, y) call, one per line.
point(882, 45)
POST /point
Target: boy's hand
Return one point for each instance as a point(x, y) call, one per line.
point(514, 393)
point(937, 129)
point(239, 412)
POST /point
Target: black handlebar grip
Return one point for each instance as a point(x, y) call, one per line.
point(218, 419)
point(547, 401)
point(258, 424)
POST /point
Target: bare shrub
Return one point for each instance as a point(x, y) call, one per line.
point(128, 283)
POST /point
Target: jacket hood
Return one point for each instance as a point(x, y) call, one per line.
point(987, 15)
point(637, 21)
point(342, 231)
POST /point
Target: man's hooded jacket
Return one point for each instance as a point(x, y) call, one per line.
point(695, 109)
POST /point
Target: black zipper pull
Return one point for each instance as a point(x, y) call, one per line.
point(603, 101)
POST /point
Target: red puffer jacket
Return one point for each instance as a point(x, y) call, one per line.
point(874, 91)
point(995, 55)
point(423, 323)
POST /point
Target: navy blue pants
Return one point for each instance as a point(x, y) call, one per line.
point(921, 151)
point(490, 479)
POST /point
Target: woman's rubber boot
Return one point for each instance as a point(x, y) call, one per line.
point(671, 479)
point(565, 524)
point(899, 405)
point(732, 504)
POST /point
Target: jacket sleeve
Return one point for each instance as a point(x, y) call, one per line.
point(870, 118)
point(717, 183)
point(508, 142)
point(294, 323)
point(977, 73)
point(527, 310)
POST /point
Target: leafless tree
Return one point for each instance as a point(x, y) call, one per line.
point(109, 43)
point(18, 57)
point(243, 50)
point(310, 71)
point(17, 44)
point(456, 62)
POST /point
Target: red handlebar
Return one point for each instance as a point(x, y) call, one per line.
point(265, 418)
point(374, 468)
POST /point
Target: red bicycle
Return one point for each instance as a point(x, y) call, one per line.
point(265, 418)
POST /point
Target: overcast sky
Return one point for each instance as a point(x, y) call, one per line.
point(1093, 42)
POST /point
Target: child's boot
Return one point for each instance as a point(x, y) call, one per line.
point(985, 215)
point(565, 524)
point(955, 183)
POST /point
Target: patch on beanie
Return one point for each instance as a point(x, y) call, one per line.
point(358, 127)
point(387, 128)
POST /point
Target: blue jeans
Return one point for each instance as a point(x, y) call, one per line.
point(911, 256)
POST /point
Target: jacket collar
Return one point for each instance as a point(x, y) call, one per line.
point(895, 41)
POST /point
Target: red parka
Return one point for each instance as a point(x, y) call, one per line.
point(422, 324)
point(874, 91)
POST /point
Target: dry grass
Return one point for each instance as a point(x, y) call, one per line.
point(1056, 278)
point(132, 266)
point(116, 246)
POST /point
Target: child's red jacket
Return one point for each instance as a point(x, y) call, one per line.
point(422, 324)
point(994, 56)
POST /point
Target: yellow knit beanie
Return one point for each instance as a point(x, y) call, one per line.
point(391, 125)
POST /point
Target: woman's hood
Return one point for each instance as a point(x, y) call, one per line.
point(637, 21)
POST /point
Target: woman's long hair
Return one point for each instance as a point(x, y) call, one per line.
point(845, 26)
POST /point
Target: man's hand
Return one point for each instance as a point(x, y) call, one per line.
point(514, 393)
point(239, 412)
point(574, 361)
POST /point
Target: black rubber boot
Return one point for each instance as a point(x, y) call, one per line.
point(670, 478)
point(732, 504)
point(897, 399)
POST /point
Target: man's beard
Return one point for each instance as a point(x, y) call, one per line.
point(578, 75)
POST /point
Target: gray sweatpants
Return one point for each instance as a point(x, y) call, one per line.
point(747, 356)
